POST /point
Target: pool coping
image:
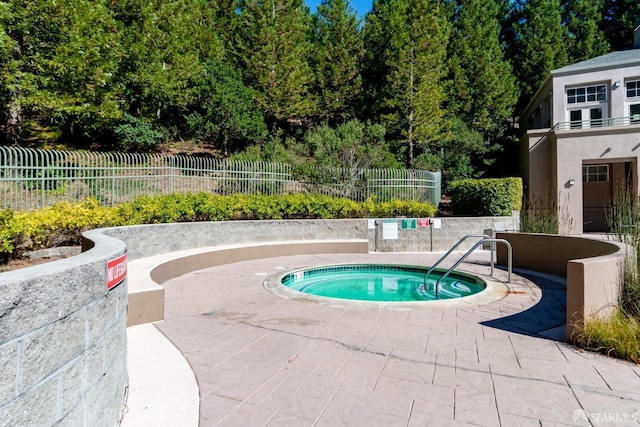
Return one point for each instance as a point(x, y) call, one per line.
point(494, 291)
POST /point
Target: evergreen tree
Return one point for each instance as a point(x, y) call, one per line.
point(408, 42)
point(541, 45)
point(274, 45)
point(352, 146)
point(586, 39)
point(621, 17)
point(337, 53)
point(224, 109)
point(8, 118)
point(483, 90)
point(167, 42)
point(64, 57)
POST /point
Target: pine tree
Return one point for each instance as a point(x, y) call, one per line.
point(167, 43)
point(273, 46)
point(586, 39)
point(337, 53)
point(483, 90)
point(9, 117)
point(65, 56)
point(620, 18)
point(408, 40)
point(541, 45)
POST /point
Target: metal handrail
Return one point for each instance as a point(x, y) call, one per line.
point(442, 258)
point(484, 239)
point(597, 123)
point(589, 124)
point(509, 261)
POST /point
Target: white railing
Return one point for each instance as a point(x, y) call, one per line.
point(598, 123)
point(31, 178)
point(589, 124)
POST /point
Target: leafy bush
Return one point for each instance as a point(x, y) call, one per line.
point(60, 224)
point(494, 196)
point(136, 135)
point(63, 223)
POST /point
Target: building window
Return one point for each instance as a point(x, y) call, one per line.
point(576, 119)
point(594, 93)
point(633, 89)
point(595, 173)
point(596, 117)
point(634, 113)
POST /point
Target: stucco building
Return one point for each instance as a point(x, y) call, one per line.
point(582, 138)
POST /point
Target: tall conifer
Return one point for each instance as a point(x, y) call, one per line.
point(337, 54)
point(586, 39)
point(483, 90)
point(541, 45)
point(408, 41)
point(274, 46)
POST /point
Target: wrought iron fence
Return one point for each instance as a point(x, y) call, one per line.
point(31, 178)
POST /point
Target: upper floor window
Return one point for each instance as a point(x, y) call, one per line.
point(633, 89)
point(593, 93)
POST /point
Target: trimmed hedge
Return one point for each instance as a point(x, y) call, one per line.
point(63, 223)
point(486, 197)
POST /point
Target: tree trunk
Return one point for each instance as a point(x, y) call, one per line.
point(13, 125)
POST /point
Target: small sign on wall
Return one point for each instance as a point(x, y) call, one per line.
point(390, 229)
point(116, 271)
point(409, 223)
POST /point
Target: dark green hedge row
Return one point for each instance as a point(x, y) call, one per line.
point(63, 223)
point(478, 197)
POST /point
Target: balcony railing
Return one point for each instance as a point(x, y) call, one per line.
point(597, 123)
point(589, 124)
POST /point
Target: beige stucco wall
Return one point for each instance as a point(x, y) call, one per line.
point(608, 76)
point(552, 164)
point(593, 269)
point(589, 146)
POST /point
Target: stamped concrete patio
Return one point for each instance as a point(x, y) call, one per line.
point(263, 360)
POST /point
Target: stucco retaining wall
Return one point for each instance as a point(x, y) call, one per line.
point(63, 353)
point(593, 269)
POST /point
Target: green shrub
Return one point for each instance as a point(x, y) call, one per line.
point(481, 197)
point(399, 208)
point(57, 225)
point(134, 134)
point(63, 223)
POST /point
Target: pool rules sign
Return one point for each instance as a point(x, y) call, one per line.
point(116, 271)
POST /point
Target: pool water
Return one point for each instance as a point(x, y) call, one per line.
point(381, 283)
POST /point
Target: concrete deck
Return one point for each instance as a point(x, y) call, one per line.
point(263, 360)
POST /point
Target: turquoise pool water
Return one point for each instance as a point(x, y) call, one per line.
point(373, 282)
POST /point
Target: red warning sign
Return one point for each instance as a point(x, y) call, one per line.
point(116, 271)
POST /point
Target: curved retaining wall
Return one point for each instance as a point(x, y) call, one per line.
point(63, 353)
point(593, 269)
point(63, 336)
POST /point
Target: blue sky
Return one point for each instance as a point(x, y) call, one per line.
point(360, 6)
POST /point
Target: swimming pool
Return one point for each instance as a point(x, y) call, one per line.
point(383, 283)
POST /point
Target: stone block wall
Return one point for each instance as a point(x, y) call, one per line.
point(147, 240)
point(63, 341)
